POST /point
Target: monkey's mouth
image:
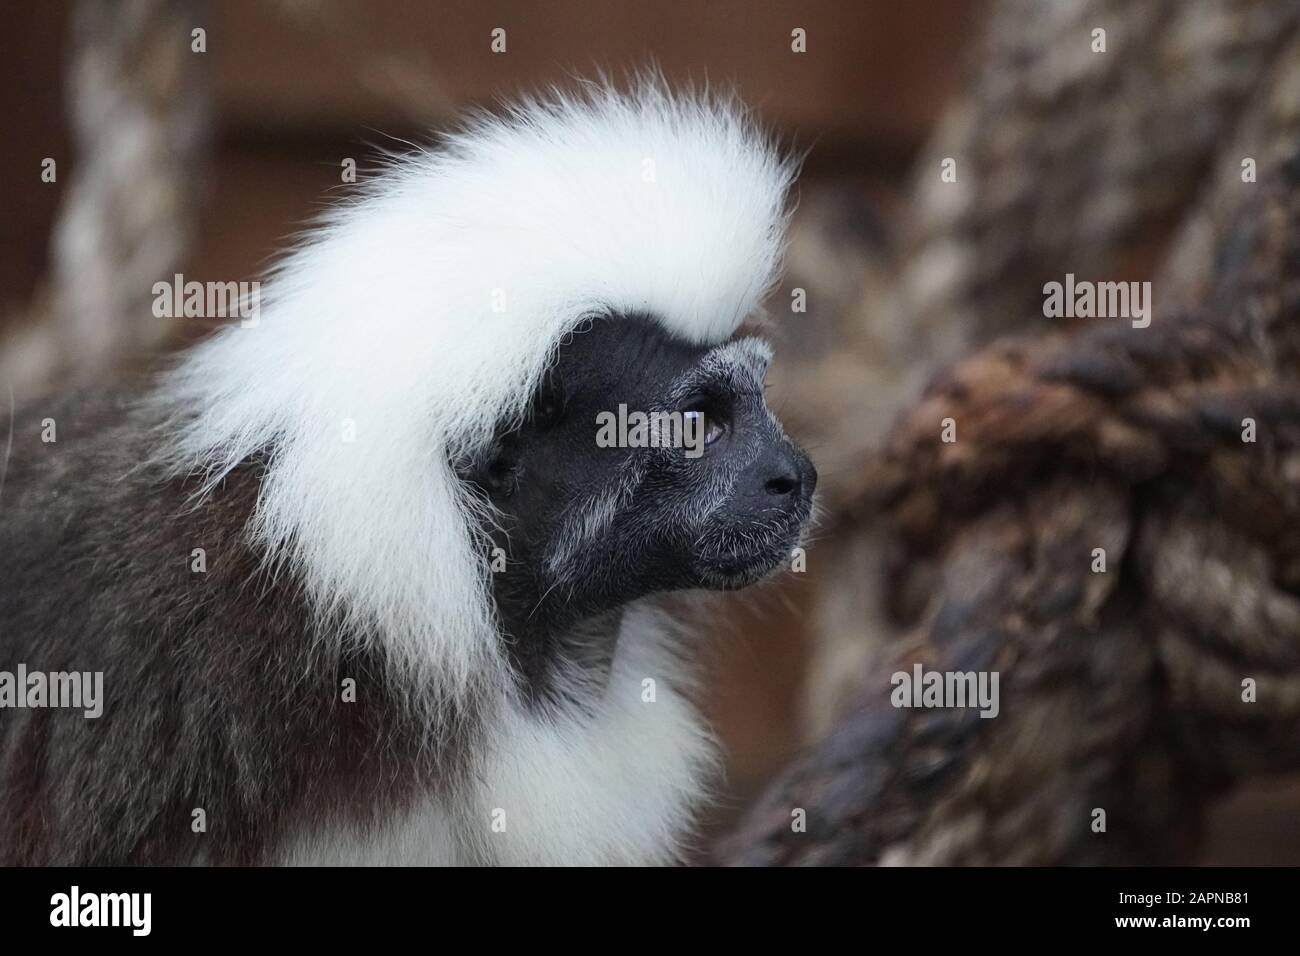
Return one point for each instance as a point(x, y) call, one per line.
point(738, 559)
point(736, 572)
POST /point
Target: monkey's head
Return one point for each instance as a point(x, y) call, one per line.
point(447, 341)
point(644, 463)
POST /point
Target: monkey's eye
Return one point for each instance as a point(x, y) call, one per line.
point(712, 426)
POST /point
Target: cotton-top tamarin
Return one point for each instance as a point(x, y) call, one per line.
point(363, 583)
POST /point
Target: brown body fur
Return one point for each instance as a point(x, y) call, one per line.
point(218, 692)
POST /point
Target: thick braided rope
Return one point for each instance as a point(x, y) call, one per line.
point(1122, 691)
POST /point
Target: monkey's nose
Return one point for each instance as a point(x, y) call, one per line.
point(794, 475)
point(783, 485)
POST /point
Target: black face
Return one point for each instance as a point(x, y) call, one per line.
point(718, 499)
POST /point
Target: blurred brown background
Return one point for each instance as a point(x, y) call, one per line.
point(297, 85)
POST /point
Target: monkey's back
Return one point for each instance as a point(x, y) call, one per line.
point(219, 694)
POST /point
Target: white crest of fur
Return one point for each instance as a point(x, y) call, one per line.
point(421, 314)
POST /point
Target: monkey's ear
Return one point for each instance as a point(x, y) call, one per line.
point(495, 470)
point(549, 402)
